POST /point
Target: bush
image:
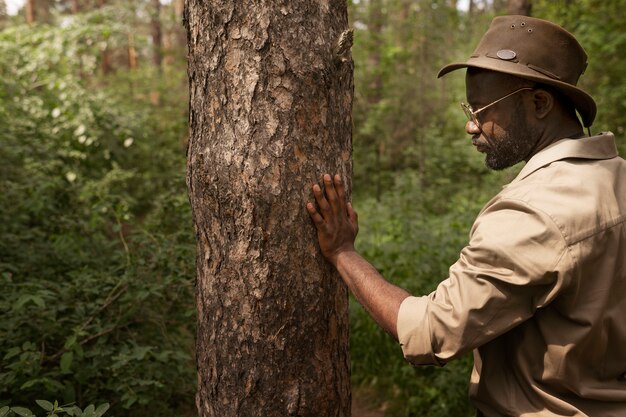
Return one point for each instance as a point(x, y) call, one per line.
point(96, 255)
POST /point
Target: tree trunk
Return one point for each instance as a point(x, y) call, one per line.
point(179, 8)
point(157, 35)
point(270, 111)
point(521, 7)
point(75, 6)
point(105, 55)
point(132, 52)
point(177, 37)
point(30, 10)
point(375, 90)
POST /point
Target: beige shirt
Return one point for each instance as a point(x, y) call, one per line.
point(539, 293)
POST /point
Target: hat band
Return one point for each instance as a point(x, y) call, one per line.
point(533, 67)
point(543, 71)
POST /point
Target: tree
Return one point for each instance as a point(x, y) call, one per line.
point(157, 34)
point(522, 7)
point(3, 14)
point(270, 100)
point(30, 11)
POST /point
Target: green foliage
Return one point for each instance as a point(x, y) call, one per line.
point(96, 255)
point(55, 410)
point(599, 27)
point(412, 235)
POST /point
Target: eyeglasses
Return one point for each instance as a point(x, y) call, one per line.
point(471, 113)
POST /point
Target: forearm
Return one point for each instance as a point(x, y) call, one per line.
point(379, 297)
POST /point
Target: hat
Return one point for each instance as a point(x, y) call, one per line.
point(536, 50)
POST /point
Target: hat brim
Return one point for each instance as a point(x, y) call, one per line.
point(583, 102)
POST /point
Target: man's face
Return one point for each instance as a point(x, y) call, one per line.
point(505, 134)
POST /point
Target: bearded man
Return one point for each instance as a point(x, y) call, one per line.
point(539, 292)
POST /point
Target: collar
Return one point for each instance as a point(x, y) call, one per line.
point(601, 146)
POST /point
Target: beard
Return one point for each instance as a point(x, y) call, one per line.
point(513, 146)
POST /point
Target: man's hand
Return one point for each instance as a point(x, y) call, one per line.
point(336, 221)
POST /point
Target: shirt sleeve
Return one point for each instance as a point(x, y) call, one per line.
point(516, 262)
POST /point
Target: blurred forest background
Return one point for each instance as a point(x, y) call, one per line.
point(96, 239)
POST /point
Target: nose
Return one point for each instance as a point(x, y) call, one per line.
point(471, 128)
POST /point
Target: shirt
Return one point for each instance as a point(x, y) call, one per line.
point(539, 293)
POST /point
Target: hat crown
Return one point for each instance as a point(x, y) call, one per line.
point(540, 45)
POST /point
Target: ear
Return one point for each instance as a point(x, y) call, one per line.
point(543, 103)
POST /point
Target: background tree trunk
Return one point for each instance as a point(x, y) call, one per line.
point(157, 34)
point(3, 12)
point(377, 20)
point(132, 52)
point(270, 111)
point(105, 55)
point(522, 7)
point(180, 35)
point(29, 11)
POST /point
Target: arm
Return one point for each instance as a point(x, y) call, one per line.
point(337, 227)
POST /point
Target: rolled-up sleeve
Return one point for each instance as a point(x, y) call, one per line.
point(516, 262)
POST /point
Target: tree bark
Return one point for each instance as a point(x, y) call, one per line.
point(521, 7)
point(270, 111)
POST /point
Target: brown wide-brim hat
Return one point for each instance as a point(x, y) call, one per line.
point(536, 50)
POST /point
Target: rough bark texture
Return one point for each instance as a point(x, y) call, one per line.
point(270, 111)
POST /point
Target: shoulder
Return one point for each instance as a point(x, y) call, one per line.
point(579, 196)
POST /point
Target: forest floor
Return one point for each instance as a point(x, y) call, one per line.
point(362, 406)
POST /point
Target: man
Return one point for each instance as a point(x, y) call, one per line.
point(539, 293)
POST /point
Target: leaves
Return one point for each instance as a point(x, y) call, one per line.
point(54, 410)
point(66, 361)
point(102, 408)
point(21, 411)
point(94, 263)
point(46, 405)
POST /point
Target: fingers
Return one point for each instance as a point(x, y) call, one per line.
point(333, 197)
point(319, 197)
point(315, 216)
point(341, 193)
point(331, 194)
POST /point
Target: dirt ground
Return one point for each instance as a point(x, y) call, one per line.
point(363, 408)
